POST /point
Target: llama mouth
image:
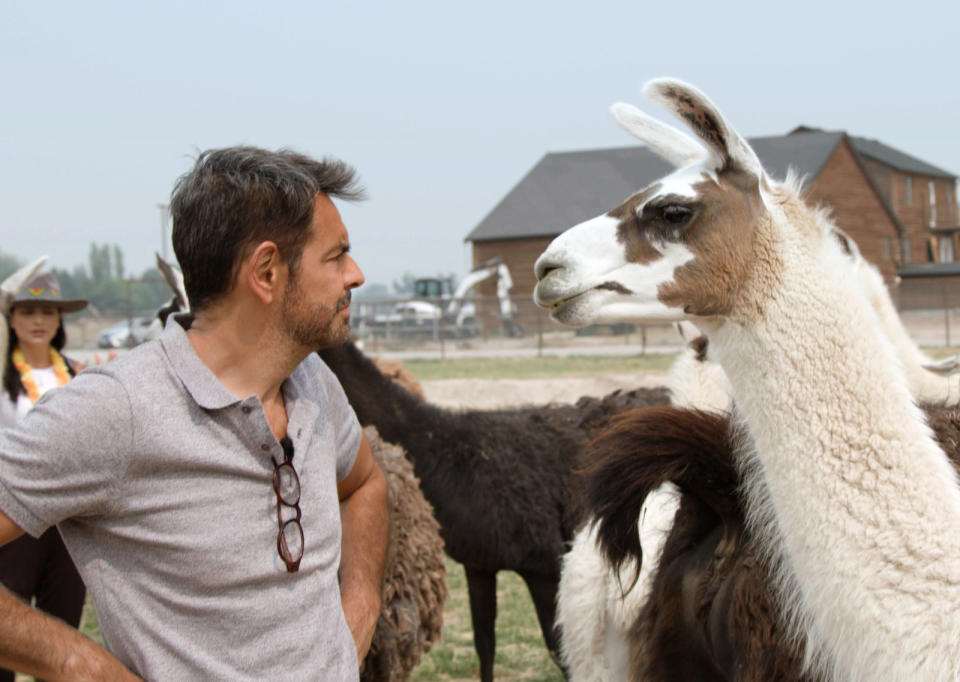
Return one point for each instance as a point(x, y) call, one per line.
point(574, 310)
point(552, 294)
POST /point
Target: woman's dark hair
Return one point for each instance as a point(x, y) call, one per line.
point(11, 375)
point(237, 197)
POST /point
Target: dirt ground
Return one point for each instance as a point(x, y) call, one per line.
point(494, 393)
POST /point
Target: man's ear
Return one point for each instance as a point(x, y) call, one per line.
point(264, 272)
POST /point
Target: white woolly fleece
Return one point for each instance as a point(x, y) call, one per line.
point(859, 507)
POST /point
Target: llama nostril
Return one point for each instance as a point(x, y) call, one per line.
point(544, 268)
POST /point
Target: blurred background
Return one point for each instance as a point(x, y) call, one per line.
point(480, 131)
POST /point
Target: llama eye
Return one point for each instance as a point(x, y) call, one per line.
point(676, 214)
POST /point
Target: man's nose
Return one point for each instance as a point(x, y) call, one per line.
point(355, 276)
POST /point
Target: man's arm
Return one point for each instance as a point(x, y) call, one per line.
point(8, 529)
point(35, 643)
point(363, 513)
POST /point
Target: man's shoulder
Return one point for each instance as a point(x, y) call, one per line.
point(137, 367)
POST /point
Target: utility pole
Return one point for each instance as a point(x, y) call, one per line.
point(164, 219)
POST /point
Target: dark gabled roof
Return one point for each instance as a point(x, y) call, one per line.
point(878, 151)
point(896, 159)
point(566, 188)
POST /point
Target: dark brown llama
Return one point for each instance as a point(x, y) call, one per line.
point(500, 482)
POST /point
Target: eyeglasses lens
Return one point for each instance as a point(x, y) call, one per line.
point(292, 541)
point(287, 484)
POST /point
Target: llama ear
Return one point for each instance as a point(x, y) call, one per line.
point(728, 149)
point(667, 142)
point(175, 280)
point(847, 244)
point(688, 330)
point(944, 367)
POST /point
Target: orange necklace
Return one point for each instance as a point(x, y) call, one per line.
point(26, 375)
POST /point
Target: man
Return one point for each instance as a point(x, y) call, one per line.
point(201, 481)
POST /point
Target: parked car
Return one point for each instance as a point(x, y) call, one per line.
point(125, 334)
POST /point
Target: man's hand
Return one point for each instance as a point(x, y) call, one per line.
point(362, 612)
point(34, 643)
point(93, 662)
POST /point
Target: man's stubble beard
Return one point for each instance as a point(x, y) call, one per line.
point(317, 327)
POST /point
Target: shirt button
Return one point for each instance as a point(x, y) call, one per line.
point(264, 447)
point(246, 409)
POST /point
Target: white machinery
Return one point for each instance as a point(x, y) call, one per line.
point(435, 300)
point(460, 311)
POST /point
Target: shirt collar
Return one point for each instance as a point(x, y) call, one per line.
point(202, 384)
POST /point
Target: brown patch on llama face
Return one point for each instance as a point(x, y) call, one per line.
point(727, 251)
point(638, 247)
point(699, 346)
point(616, 287)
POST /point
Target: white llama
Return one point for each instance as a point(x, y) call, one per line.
point(926, 378)
point(596, 605)
point(858, 507)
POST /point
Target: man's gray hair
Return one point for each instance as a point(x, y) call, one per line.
point(237, 197)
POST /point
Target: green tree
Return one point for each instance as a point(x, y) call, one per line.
point(73, 284)
point(154, 289)
point(99, 262)
point(108, 289)
point(117, 262)
point(9, 264)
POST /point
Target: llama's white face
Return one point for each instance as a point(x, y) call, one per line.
point(610, 268)
point(679, 248)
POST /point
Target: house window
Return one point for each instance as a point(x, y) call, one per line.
point(945, 244)
point(933, 203)
point(905, 250)
point(887, 248)
point(908, 190)
point(952, 214)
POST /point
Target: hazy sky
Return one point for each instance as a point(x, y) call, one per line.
point(442, 107)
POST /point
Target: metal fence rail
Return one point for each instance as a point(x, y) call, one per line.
point(431, 328)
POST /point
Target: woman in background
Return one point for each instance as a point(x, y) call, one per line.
point(38, 568)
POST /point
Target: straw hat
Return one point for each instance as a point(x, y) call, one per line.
point(44, 291)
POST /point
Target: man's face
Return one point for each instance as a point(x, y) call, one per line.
point(316, 301)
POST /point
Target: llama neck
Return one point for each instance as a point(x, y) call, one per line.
point(376, 398)
point(865, 507)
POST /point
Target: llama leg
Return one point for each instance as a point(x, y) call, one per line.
point(543, 590)
point(482, 586)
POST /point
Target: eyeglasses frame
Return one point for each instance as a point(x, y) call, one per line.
point(293, 565)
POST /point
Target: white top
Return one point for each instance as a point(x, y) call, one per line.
point(10, 412)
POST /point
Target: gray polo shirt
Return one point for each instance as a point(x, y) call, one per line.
point(160, 480)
